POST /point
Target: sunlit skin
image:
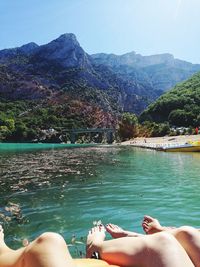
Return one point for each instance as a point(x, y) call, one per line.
point(50, 250)
point(158, 250)
point(188, 237)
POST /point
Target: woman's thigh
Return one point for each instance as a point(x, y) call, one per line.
point(165, 251)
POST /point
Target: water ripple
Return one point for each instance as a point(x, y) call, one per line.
point(66, 190)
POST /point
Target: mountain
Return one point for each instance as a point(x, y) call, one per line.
point(34, 72)
point(180, 106)
point(161, 72)
point(58, 85)
point(8, 54)
point(61, 72)
point(66, 51)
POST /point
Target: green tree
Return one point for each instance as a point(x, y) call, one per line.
point(20, 132)
point(10, 123)
point(181, 118)
point(4, 132)
point(128, 126)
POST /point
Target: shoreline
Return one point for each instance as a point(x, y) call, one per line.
point(158, 142)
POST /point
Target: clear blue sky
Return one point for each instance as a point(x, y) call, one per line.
point(111, 26)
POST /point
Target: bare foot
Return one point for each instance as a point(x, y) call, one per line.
point(115, 231)
point(95, 239)
point(151, 225)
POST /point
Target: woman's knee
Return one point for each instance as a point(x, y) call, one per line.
point(44, 247)
point(187, 232)
point(45, 243)
point(50, 238)
point(186, 228)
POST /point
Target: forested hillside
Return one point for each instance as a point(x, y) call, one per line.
point(179, 106)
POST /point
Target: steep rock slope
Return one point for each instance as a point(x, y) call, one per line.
point(162, 71)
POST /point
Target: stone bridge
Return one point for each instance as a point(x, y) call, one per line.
point(73, 133)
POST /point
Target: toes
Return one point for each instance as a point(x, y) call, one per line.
point(146, 229)
point(110, 225)
point(96, 229)
point(108, 228)
point(145, 226)
point(113, 226)
point(148, 218)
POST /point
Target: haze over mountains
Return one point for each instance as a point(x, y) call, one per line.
point(115, 83)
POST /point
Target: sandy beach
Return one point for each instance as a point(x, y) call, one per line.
point(156, 142)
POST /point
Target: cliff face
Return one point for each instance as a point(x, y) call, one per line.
point(62, 68)
point(66, 51)
point(132, 59)
point(162, 71)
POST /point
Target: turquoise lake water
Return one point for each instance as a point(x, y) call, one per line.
point(65, 189)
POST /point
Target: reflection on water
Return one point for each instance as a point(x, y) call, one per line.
point(66, 190)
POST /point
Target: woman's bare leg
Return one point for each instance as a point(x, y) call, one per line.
point(159, 250)
point(187, 236)
point(48, 250)
point(116, 232)
point(8, 257)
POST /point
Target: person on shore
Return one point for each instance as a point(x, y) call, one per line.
point(50, 250)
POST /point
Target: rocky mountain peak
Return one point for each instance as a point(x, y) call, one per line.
point(28, 48)
point(66, 50)
point(67, 37)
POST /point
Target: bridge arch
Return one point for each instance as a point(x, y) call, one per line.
point(73, 133)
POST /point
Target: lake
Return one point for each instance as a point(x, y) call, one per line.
point(66, 188)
